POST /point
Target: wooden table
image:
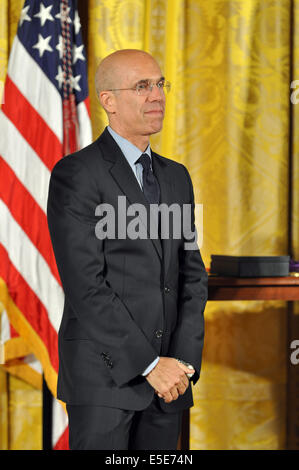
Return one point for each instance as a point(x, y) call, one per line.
point(261, 288)
point(254, 288)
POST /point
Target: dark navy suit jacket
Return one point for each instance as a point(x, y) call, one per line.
point(126, 300)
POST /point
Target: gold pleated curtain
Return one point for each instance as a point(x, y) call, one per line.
point(228, 119)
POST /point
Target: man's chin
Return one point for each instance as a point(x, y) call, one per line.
point(156, 127)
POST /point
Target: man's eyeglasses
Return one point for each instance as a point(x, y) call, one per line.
point(145, 87)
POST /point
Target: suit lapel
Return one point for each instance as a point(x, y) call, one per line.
point(126, 180)
point(161, 171)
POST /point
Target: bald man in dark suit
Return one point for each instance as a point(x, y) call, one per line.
point(131, 336)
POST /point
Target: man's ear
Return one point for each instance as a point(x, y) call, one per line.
point(107, 100)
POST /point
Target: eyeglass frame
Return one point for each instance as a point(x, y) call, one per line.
point(166, 84)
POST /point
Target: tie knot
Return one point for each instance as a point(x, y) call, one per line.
point(145, 161)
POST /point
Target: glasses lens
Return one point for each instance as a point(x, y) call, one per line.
point(143, 88)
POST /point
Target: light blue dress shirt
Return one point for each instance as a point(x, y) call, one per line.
point(132, 153)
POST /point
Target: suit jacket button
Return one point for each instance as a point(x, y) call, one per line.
point(166, 290)
point(159, 333)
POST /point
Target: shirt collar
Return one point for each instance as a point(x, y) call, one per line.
point(130, 151)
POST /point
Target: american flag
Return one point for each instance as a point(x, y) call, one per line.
point(44, 116)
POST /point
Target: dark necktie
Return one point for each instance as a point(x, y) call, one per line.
point(151, 187)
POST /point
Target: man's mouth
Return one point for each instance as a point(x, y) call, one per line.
point(154, 111)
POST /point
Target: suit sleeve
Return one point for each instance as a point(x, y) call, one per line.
point(72, 200)
point(188, 338)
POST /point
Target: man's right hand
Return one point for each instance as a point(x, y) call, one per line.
point(169, 378)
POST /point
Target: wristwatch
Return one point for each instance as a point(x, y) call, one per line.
point(187, 365)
